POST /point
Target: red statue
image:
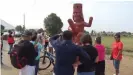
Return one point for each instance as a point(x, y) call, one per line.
point(77, 27)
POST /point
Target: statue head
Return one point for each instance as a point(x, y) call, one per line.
point(77, 12)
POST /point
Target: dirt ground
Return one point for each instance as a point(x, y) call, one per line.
point(126, 67)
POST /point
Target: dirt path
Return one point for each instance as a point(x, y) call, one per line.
point(125, 69)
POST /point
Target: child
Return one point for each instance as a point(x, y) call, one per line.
point(100, 66)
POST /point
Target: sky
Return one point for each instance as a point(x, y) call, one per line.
point(109, 15)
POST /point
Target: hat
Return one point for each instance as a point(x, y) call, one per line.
point(117, 35)
point(27, 33)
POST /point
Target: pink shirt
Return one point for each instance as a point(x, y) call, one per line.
point(101, 51)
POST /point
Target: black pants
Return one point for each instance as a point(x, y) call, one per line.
point(37, 66)
point(1, 52)
point(100, 68)
point(46, 44)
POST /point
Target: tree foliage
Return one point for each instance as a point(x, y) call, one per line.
point(32, 30)
point(19, 28)
point(53, 24)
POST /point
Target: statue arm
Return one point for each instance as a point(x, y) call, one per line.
point(90, 22)
point(72, 25)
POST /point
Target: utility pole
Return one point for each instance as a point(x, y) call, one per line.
point(24, 22)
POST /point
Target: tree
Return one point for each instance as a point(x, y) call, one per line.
point(32, 30)
point(23, 28)
point(53, 24)
point(2, 28)
point(19, 28)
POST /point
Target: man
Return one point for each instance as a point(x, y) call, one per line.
point(66, 53)
point(117, 48)
point(1, 45)
point(29, 53)
point(11, 41)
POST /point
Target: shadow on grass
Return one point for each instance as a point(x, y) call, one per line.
point(130, 51)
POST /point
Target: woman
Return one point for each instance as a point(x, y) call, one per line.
point(117, 48)
point(100, 66)
point(38, 48)
point(88, 68)
point(11, 41)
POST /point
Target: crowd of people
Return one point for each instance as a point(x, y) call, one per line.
point(88, 59)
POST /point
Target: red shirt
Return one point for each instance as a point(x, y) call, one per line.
point(116, 47)
point(10, 40)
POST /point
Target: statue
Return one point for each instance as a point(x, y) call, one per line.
point(77, 24)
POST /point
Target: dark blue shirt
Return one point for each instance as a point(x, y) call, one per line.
point(66, 53)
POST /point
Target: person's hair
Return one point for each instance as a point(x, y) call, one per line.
point(86, 38)
point(34, 37)
point(10, 32)
point(67, 35)
point(34, 33)
point(98, 40)
point(117, 35)
point(2, 34)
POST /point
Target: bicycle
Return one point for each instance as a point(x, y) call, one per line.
point(46, 60)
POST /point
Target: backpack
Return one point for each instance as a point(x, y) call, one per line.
point(17, 61)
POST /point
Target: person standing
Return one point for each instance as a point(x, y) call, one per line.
point(11, 41)
point(117, 48)
point(38, 48)
point(46, 43)
point(40, 37)
point(50, 48)
point(100, 66)
point(88, 67)
point(66, 52)
point(29, 53)
point(1, 46)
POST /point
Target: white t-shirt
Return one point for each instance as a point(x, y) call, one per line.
point(50, 44)
point(39, 38)
point(27, 70)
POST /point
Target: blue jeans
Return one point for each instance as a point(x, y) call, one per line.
point(10, 48)
point(86, 73)
point(116, 64)
point(37, 66)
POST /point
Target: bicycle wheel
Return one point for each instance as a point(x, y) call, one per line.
point(44, 63)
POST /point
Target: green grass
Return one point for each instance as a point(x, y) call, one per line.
point(127, 41)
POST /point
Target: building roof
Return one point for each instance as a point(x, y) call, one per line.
point(7, 25)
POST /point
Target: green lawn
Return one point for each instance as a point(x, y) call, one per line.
point(127, 41)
